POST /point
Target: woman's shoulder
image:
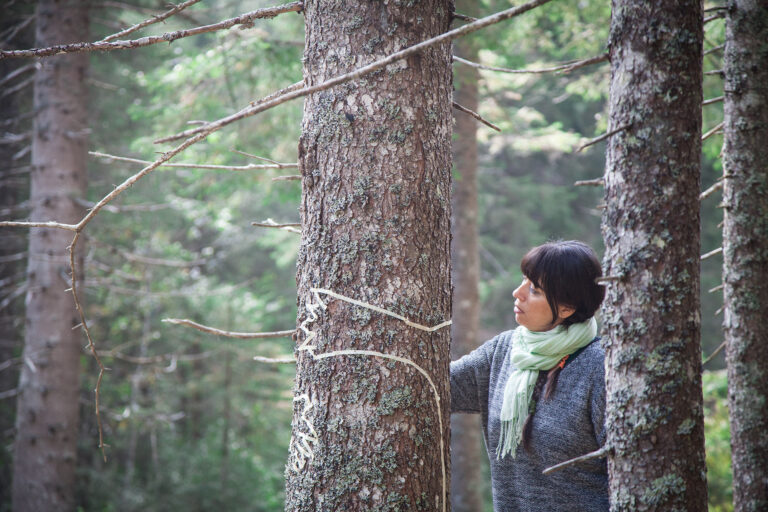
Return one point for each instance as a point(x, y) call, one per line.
point(591, 356)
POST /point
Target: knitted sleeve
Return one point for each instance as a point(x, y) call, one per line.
point(469, 379)
point(597, 404)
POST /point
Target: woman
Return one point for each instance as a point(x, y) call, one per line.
point(540, 388)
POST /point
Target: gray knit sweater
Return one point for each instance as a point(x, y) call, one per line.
point(567, 425)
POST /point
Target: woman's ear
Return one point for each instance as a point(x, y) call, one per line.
point(564, 312)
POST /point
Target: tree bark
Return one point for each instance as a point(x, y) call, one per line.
point(47, 410)
point(376, 161)
point(745, 247)
point(465, 273)
point(651, 230)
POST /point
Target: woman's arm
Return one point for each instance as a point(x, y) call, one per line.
point(469, 379)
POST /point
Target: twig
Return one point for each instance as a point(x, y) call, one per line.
point(463, 17)
point(9, 394)
point(608, 279)
point(154, 19)
point(718, 14)
point(711, 190)
point(269, 223)
point(365, 70)
point(597, 454)
point(601, 138)
point(476, 116)
point(276, 165)
point(294, 177)
point(16, 72)
point(713, 354)
point(712, 132)
point(229, 334)
point(711, 253)
point(204, 124)
point(249, 155)
point(24, 224)
point(715, 49)
point(717, 288)
point(244, 19)
point(561, 68)
point(280, 360)
point(597, 182)
point(719, 72)
point(713, 100)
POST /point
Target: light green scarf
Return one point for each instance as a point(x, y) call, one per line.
point(531, 352)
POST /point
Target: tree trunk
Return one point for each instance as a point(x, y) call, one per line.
point(47, 411)
point(465, 272)
point(651, 230)
point(745, 248)
point(376, 163)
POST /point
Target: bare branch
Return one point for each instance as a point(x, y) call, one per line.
point(717, 288)
point(597, 454)
point(365, 70)
point(9, 394)
point(477, 116)
point(280, 360)
point(711, 253)
point(269, 223)
point(16, 72)
point(718, 14)
point(561, 68)
point(713, 100)
point(294, 177)
point(204, 124)
point(718, 72)
point(463, 17)
point(608, 279)
point(713, 354)
point(601, 138)
point(24, 224)
point(244, 19)
point(715, 49)
point(229, 334)
point(711, 190)
point(712, 132)
point(597, 182)
point(249, 167)
point(154, 19)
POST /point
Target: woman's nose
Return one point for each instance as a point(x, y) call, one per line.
point(518, 293)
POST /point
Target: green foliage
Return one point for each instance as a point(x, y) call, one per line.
point(718, 442)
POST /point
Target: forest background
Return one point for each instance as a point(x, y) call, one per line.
point(192, 421)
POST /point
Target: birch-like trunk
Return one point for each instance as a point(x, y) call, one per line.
point(466, 444)
point(47, 406)
point(745, 248)
point(375, 157)
point(651, 230)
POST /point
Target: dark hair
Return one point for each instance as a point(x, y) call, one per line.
point(566, 271)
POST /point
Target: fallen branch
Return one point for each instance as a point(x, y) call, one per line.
point(477, 116)
point(597, 454)
point(229, 334)
point(244, 19)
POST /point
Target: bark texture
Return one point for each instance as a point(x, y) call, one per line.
point(47, 410)
point(745, 247)
point(376, 161)
point(651, 232)
point(465, 270)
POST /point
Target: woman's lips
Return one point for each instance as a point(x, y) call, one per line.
point(518, 311)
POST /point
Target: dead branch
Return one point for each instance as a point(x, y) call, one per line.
point(463, 17)
point(154, 19)
point(477, 116)
point(13, 257)
point(294, 177)
point(229, 334)
point(16, 72)
point(246, 20)
point(566, 67)
point(269, 223)
point(9, 394)
point(597, 454)
point(713, 100)
point(712, 132)
point(608, 279)
point(280, 360)
point(249, 167)
point(597, 182)
point(715, 49)
point(711, 190)
point(12, 31)
point(717, 15)
point(713, 354)
point(9, 363)
point(263, 105)
point(204, 124)
point(718, 72)
point(711, 253)
point(717, 288)
point(601, 137)
point(12, 296)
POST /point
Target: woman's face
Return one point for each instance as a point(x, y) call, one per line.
point(532, 308)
